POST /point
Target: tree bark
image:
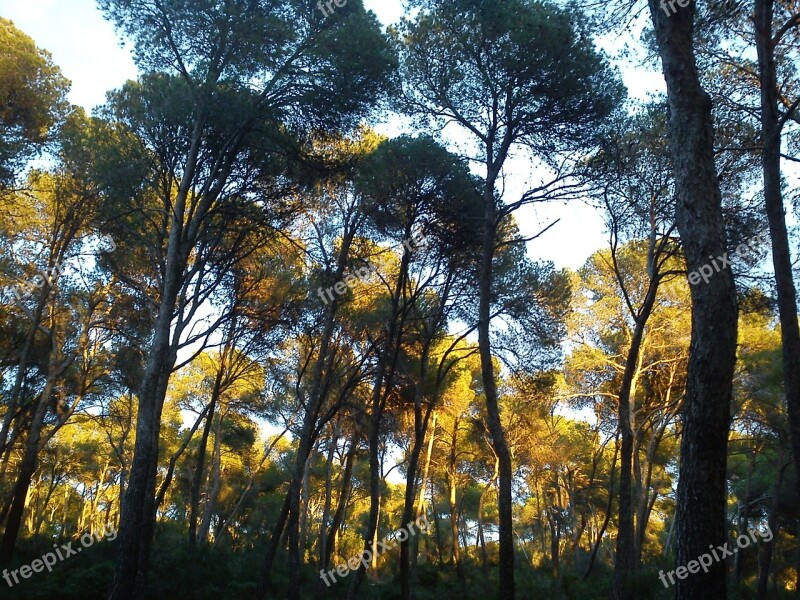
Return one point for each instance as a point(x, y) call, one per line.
point(624, 556)
point(505, 590)
point(771, 126)
point(199, 470)
point(387, 363)
point(701, 494)
point(216, 483)
point(606, 518)
point(766, 548)
point(481, 503)
point(26, 470)
point(137, 523)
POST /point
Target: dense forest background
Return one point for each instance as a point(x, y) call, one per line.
point(252, 348)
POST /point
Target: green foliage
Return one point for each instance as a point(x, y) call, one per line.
point(509, 72)
point(296, 66)
point(32, 99)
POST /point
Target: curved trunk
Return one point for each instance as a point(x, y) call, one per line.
point(699, 217)
point(410, 507)
point(620, 590)
point(383, 383)
point(607, 518)
point(26, 470)
point(199, 470)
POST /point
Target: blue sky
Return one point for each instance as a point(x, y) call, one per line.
point(88, 52)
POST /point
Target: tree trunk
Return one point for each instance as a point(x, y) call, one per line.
point(410, 506)
point(607, 518)
point(199, 470)
point(264, 587)
point(216, 483)
point(451, 481)
point(304, 501)
point(481, 503)
point(307, 437)
point(744, 514)
point(702, 493)
point(423, 485)
point(624, 556)
point(19, 378)
point(333, 442)
point(771, 126)
point(26, 470)
point(137, 523)
point(328, 535)
point(505, 589)
point(766, 548)
point(384, 379)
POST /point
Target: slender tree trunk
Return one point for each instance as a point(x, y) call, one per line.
point(506, 590)
point(702, 492)
point(624, 556)
point(765, 549)
point(264, 587)
point(555, 541)
point(771, 125)
point(333, 442)
point(387, 364)
point(606, 518)
point(328, 534)
point(344, 498)
point(744, 514)
point(481, 503)
point(26, 470)
point(410, 507)
point(451, 481)
point(216, 483)
point(19, 378)
point(305, 498)
point(423, 486)
point(137, 523)
point(199, 471)
point(173, 461)
point(306, 441)
point(378, 402)
point(243, 496)
point(438, 527)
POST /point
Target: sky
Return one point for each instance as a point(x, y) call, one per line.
point(90, 55)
